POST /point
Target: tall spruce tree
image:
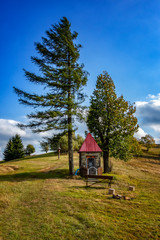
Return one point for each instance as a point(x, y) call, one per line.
point(111, 119)
point(63, 77)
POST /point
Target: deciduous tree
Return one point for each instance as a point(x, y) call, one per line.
point(148, 141)
point(44, 146)
point(29, 149)
point(61, 141)
point(111, 119)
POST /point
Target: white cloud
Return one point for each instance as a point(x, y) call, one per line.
point(140, 104)
point(157, 140)
point(151, 96)
point(155, 127)
point(148, 114)
point(8, 129)
point(140, 133)
point(149, 111)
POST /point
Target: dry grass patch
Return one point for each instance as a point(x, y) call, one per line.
point(147, 164)
point(8, 168)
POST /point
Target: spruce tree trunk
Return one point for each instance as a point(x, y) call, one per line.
point(106, 161)
point(70, 148)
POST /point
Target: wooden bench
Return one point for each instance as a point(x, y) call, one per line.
point(98, 179)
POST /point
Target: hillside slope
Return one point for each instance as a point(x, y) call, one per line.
point(39, 201)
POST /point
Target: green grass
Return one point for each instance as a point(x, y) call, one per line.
point(39, 201)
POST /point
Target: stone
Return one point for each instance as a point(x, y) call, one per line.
point(127, 198)
point(117, 196)
point(131, 188)
point(111, 191)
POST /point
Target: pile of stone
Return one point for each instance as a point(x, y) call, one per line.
point(117, 196)
point(121, 197)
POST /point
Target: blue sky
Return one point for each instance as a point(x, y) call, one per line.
point(119, 36)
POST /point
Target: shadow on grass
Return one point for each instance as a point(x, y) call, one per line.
point(148, 157)
point(19, 177)
point(156, 163)
point(89, 187)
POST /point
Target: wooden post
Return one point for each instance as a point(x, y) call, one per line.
point(59, 149)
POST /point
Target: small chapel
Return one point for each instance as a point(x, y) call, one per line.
point(90, 157)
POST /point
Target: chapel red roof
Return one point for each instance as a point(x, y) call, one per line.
point(90, 145)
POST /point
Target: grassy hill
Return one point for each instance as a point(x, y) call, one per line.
point(39, 201)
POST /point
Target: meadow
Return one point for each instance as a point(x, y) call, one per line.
point(39, 201)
